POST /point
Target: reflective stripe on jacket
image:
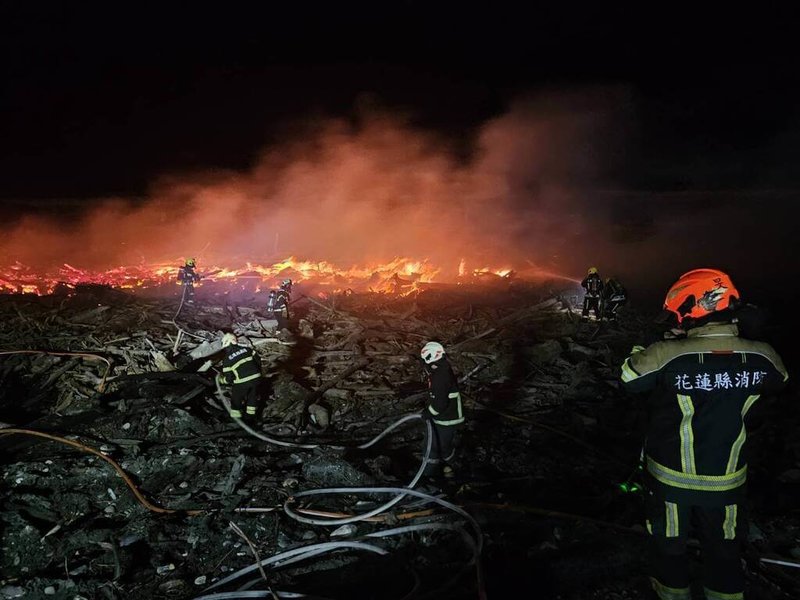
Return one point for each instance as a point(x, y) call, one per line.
point(444, 403)
point(240, 364)
point(702, 389)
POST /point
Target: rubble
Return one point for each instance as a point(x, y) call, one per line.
point(547, 427)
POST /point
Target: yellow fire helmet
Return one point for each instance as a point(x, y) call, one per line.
point(190, 262)
point(592, 270)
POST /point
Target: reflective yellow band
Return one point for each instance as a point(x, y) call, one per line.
point(673, 527)
point(251, 410)
point(628, 374)
point(668, 593)
point(649, 526)
point(736, 449)
point(712, 595)
point(689, 481)
point(451, 422)
point(236, 414)
point(729, 525)
point(432, 410)
point(687, 435)
point(238, 364)
point(248, 378)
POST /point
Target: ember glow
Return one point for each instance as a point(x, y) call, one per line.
point(397, 277)
point(381, 205)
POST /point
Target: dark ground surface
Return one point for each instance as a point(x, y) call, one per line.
point(548, 431)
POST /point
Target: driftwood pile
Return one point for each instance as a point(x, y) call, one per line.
point(548, 430)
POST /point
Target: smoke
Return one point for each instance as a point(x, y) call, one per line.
point(367, 189)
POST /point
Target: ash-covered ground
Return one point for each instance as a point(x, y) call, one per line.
point(549, 439)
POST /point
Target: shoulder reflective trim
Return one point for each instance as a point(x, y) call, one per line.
point(687, 435)
point(432, 410)
point(454, 395)
point(712, 595)
point(667, 593)
point(673, 527)
point(700, 483)
point(239, 363)
point(628, 372)
point(248, 378)
point(700, 357)
point(744, 357)
point(451, 422)
point(729, 525)
point(708, 335)
point(736, 448)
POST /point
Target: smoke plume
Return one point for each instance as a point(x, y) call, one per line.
point(365, 189)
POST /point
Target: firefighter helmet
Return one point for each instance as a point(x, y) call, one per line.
point(190, 262)
point(699, 293)
point(228, 340)
point(592, 270)
point(431, 352)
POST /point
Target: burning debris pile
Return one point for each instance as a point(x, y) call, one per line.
point(130, 385)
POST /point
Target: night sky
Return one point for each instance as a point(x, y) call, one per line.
point(101, 101)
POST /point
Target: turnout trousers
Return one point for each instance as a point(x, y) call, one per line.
point(245, 398)
point(591, 303)
point(443, 447)
point(719, 530)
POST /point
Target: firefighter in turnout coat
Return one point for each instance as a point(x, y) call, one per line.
point(701, 387)
point(241, 368)
point(593, 285)
point(444, 408)
point(187, 277)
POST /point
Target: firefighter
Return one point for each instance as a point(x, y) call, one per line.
point(614, 296)
point(593, 285)
point(241, 369)
point(444, 408)
point(187, 277)
point(278, 303)
point(701, 386)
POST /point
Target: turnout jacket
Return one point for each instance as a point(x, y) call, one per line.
point(240, 365)
point(593, 284)
point(187, 275)
point(702, 389)
point(444, 403)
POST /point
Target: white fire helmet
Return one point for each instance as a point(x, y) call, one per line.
point(431, 352)
point(228, 340)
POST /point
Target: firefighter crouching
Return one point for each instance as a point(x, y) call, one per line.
point(241, 368)
point(593, 285)
point(444, 408)
point(702, 387)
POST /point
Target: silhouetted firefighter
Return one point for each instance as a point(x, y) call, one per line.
point(593, 285)
point(187, 277)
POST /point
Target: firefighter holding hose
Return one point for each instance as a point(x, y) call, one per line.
point(241, 369)
point(444, 408)
point(187, 277)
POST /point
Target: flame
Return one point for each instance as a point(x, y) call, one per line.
point(400, 276)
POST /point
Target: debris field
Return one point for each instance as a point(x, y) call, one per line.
point(146, 488)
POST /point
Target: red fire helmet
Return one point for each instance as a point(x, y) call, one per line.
point(699, 293)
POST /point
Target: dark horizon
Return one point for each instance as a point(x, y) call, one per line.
point(675, 136)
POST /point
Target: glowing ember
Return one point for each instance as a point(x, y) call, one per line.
point(400, 276)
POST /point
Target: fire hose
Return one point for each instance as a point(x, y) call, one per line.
point(400, 493)
point(120, 471)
